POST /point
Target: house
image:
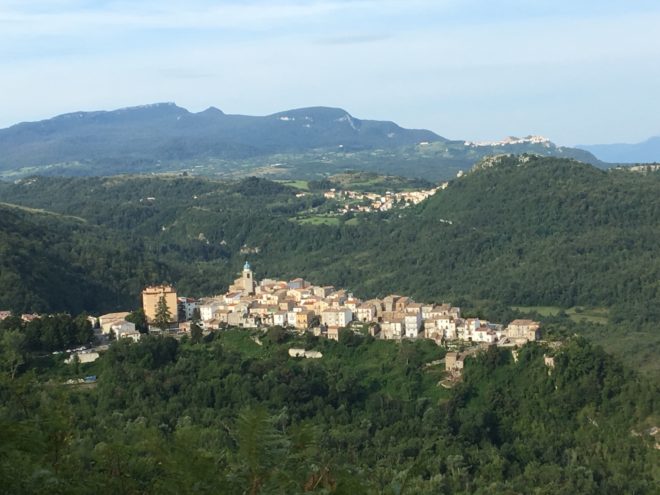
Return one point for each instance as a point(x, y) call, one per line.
point(352, 303)
point(336, 317)
point(280, 318)
point(454, 363)
point(286, 305)
point(297, 283)
point(402, 303)
point(125, 330)
point(426, 311)
point(304, 319)
point(375, 330)
point(134, 335)
point(389, 303)
point(122, 326)
point(414, 308)
point(186, 307)
point(412, 324)
point(232, 297)
point(83, 357)
point(323, 291)
point(291, 318)
point(447, 326)
point(207, 310)
point(259, 309)
point(524, 329)
point(484, 334)
point(235, 319)
point(392, 329)
point(222, 316)
point(366, 312)
point(106, 321)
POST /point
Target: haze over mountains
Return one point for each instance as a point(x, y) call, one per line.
point(302, 143)
point(645, 152)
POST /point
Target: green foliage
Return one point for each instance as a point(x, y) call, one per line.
point(138, 318)
point(163, 315)
point(522, 232)
point(210, 418)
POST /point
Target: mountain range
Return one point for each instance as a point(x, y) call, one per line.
point(301, 143)
point(645, 152)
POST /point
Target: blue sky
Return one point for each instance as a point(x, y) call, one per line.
point(576, 72)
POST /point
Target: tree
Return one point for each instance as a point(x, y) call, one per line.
point(11, 351)
point(139, 319)
point(163, 315)
point(195, 333)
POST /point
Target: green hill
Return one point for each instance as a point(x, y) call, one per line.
point(229, 416)
point(531, 231)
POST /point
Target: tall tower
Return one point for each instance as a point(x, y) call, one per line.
point(248, 279)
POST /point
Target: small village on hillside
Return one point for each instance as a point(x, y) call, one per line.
point(302, 307)
point(366, 202)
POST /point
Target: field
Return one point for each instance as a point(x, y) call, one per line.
point(303, 185)
point(317, 220)
point(577, 313)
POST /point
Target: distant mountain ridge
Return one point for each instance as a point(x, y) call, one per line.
point(165, 131)
point(305, 142)
point(645, 152)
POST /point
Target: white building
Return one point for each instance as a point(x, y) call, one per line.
point(447, 326)
point(122, 326)
point(106, 321)
point(280, 318)
point(207, 311)
point(366, 312)
point(336, 317)
point(291, 318)
point(392, 329)
point(484, 334)
point(413, 324)
point(187, 307)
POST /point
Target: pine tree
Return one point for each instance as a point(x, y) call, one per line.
point(163, 315)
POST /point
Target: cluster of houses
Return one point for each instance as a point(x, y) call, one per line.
point(26, 317)
point(323, 310)
point(326, 310)
point(355, 201)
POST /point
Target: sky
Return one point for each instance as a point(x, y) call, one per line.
point(578, 72)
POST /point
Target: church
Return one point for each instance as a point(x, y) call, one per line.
point(245, 284)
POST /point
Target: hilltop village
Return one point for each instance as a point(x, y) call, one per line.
point(323, 310)
point(302, 307)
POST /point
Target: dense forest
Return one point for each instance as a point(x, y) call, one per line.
point(513, 232)
point(536, 231)
point(226, 415)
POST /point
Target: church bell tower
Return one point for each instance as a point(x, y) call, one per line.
point(248, 280)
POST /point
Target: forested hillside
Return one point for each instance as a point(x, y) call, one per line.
point(536, 231)
point(229, 416)
point(223, 414)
